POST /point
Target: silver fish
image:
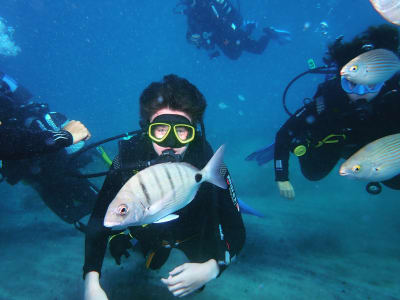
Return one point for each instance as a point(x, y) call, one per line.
point(388, 9)
point(155, 193)
point(376, 161)
point(372, 67)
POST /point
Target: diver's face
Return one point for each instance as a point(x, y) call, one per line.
point(367, 96)
point(167, 111)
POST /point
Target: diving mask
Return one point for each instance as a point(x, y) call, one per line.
point(359, 89)
point(173, 131)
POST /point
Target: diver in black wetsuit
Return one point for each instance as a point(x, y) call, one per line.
point(342, 117)
point(218, 23)
point(34, 147)
point(209, 230)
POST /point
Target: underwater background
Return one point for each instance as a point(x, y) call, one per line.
point(91, 60)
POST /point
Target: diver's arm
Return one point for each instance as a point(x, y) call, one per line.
point(226, 220)
point(231, 229)
point(281, 162)
point(188, 277)
point(283, 142)
point(282, 151)
point(24, 143)
point(96, 234)
point(229, 223)
point(20, 142)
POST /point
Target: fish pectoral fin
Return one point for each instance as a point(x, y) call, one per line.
point(155, 208)
point(167, 218)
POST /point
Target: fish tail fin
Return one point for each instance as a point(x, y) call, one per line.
point(211, 171)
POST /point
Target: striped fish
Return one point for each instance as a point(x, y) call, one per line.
point(388, 9)
point(155, 193)
point(376, 161)
point(372, 67)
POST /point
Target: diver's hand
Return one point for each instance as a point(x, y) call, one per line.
point(119, 245)
point(78, 130)
point(187, 278)
point(93, 290)
point(286, 189)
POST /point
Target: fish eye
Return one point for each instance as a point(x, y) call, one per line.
point(356, 168)
point(354, 68)
point(122, 209)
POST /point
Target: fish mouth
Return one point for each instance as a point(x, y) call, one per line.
point(343, 173)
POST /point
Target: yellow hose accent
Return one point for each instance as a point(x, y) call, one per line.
point(113, 236)
point(149, 259)
point(331, 139)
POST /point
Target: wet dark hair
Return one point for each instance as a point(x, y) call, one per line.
point(175, 93)
point(384, 36)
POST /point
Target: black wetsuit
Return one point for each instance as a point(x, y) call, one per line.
point(197, 231)
point(332, 127)
point(222, 25)
point(33, 151)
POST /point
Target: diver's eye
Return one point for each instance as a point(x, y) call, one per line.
point(356, 168)
point(122, 209)
point(354, 68)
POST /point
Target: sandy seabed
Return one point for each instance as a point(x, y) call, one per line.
point(329, 243)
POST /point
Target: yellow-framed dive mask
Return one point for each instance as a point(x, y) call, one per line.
point(170, 130)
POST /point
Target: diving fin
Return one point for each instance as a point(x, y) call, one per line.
point(248, 210)
point(262, 156)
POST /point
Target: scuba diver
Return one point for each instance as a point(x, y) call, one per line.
point(209, 229)
point(35, 145)
point(342, 116)
point(214, 23)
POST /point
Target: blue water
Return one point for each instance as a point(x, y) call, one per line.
point(91, 59)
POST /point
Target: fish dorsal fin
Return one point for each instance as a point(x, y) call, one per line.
point(167, 218)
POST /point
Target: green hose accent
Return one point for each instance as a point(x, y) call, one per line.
point(104, 156)
point(311, 64)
